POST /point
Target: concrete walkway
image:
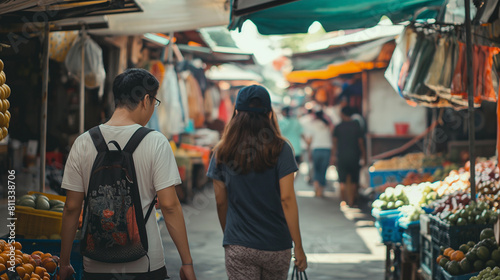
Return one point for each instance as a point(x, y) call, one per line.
point(339, 243)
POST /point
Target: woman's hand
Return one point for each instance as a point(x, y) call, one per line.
point(187, 272)
point(300, 258)
point(66, 272)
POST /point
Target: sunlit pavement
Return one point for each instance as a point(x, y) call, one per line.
point(339, 243)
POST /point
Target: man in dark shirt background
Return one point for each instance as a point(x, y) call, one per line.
point(348, 151)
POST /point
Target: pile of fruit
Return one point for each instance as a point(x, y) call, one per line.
point(410, 213)
point(392, 198)
point(4, 104)
point(459, 210)
point(487, 274)
point(409, 161)
point(40, 202)
point(471, 257)
point(416, 178)
point(34, 266)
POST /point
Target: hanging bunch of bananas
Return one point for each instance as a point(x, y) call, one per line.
point(4, 104)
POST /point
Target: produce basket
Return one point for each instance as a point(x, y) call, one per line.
point(426, 261)
point(411, 235)
point(446, 276)
point(54, 247)
point(386, 225)
point(447, 235)
point(32, 223)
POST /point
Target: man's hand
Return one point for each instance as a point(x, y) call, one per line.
point(66, 272)
point(300, 258)
point(187, 272)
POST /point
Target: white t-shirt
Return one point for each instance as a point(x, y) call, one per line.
point(155, 168)
point(320, 133)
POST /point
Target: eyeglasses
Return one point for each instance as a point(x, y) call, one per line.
point(157, 102)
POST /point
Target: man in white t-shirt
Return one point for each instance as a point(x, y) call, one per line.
point(134, 93)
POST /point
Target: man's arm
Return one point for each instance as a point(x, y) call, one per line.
point(174, 220)
point(291, 211)
point(221, 200)
point(71, 214)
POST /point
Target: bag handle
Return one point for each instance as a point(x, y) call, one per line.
point(298, 275)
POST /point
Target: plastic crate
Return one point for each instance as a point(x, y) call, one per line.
point(32, 223)
point(386, 225)
point(54, 247)
point(454, 236)
point(378, 178)
point(447, 276)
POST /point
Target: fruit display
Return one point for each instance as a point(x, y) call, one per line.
point(416, 178)
point(459, 210)
point(410, 213)
point(441, 173)
point(4, 103)
point(40, 202)
point(488, 273)
point(392, 198)
point(37, 265)
point(471, 257)
point(409, 161)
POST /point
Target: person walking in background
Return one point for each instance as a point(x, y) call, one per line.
point(253, 173)
point(291, 129)
point(320, 142)
point(156, 174)
point(349, 149)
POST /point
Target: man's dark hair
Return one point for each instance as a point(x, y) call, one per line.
point(347, 111)
point(130, 87)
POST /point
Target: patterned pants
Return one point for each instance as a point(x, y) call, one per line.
point(243, 263)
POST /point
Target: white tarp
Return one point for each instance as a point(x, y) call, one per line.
point(168, 15)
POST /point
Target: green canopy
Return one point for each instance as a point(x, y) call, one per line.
point(296, 17)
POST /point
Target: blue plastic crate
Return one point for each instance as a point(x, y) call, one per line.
point(386, 224)
point(445, 275)
point(378, 178)
point(54, 247)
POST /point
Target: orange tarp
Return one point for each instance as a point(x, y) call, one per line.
point(333, 70)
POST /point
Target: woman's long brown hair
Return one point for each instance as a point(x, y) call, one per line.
point(250, 142)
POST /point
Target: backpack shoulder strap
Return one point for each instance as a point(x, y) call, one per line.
point(153, 203)
point(136, 139)
point(98, 139)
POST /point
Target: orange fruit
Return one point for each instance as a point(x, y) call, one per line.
point(26, 277)
point(46, 275)
point(40, 270)
point(2, 267)
point(37, 253)
point(457, 255)
point(2, 261)
point(448, 251)
point(29, 268)
point(26, 258)
point(439, 258)
point(46, 278)
point(5, 257)
point(43, 256)
point(35, 276)
point(18, 245)
point(4, 276)
point(50, 265)
point(18, 252)
point(20, 271)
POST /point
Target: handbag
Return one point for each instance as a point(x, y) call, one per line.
point(298, 275)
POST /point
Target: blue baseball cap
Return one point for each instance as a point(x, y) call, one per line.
point(247, 94)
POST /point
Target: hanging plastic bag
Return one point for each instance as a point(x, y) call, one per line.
point(93, 63)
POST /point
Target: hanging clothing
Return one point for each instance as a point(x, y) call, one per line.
point(170, 110)
point(195, 100)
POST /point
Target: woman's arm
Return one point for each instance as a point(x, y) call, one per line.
point(221, 200)
point(291, 211)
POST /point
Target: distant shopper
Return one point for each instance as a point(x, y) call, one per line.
point(350, 151)
point(291, 129)
point(253, 172)
point(320, 142)
point(156, 174)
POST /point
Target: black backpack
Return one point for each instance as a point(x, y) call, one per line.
point(113, 229)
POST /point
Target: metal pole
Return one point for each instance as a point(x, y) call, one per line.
point(470, 93)
point(82, 85)
point(43, 118)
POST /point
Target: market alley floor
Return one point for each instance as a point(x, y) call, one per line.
point(339, 243)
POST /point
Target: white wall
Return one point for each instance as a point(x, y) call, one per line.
point(386, 107)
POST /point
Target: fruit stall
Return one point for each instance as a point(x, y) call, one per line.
point(37, 240)
point(439, 228)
